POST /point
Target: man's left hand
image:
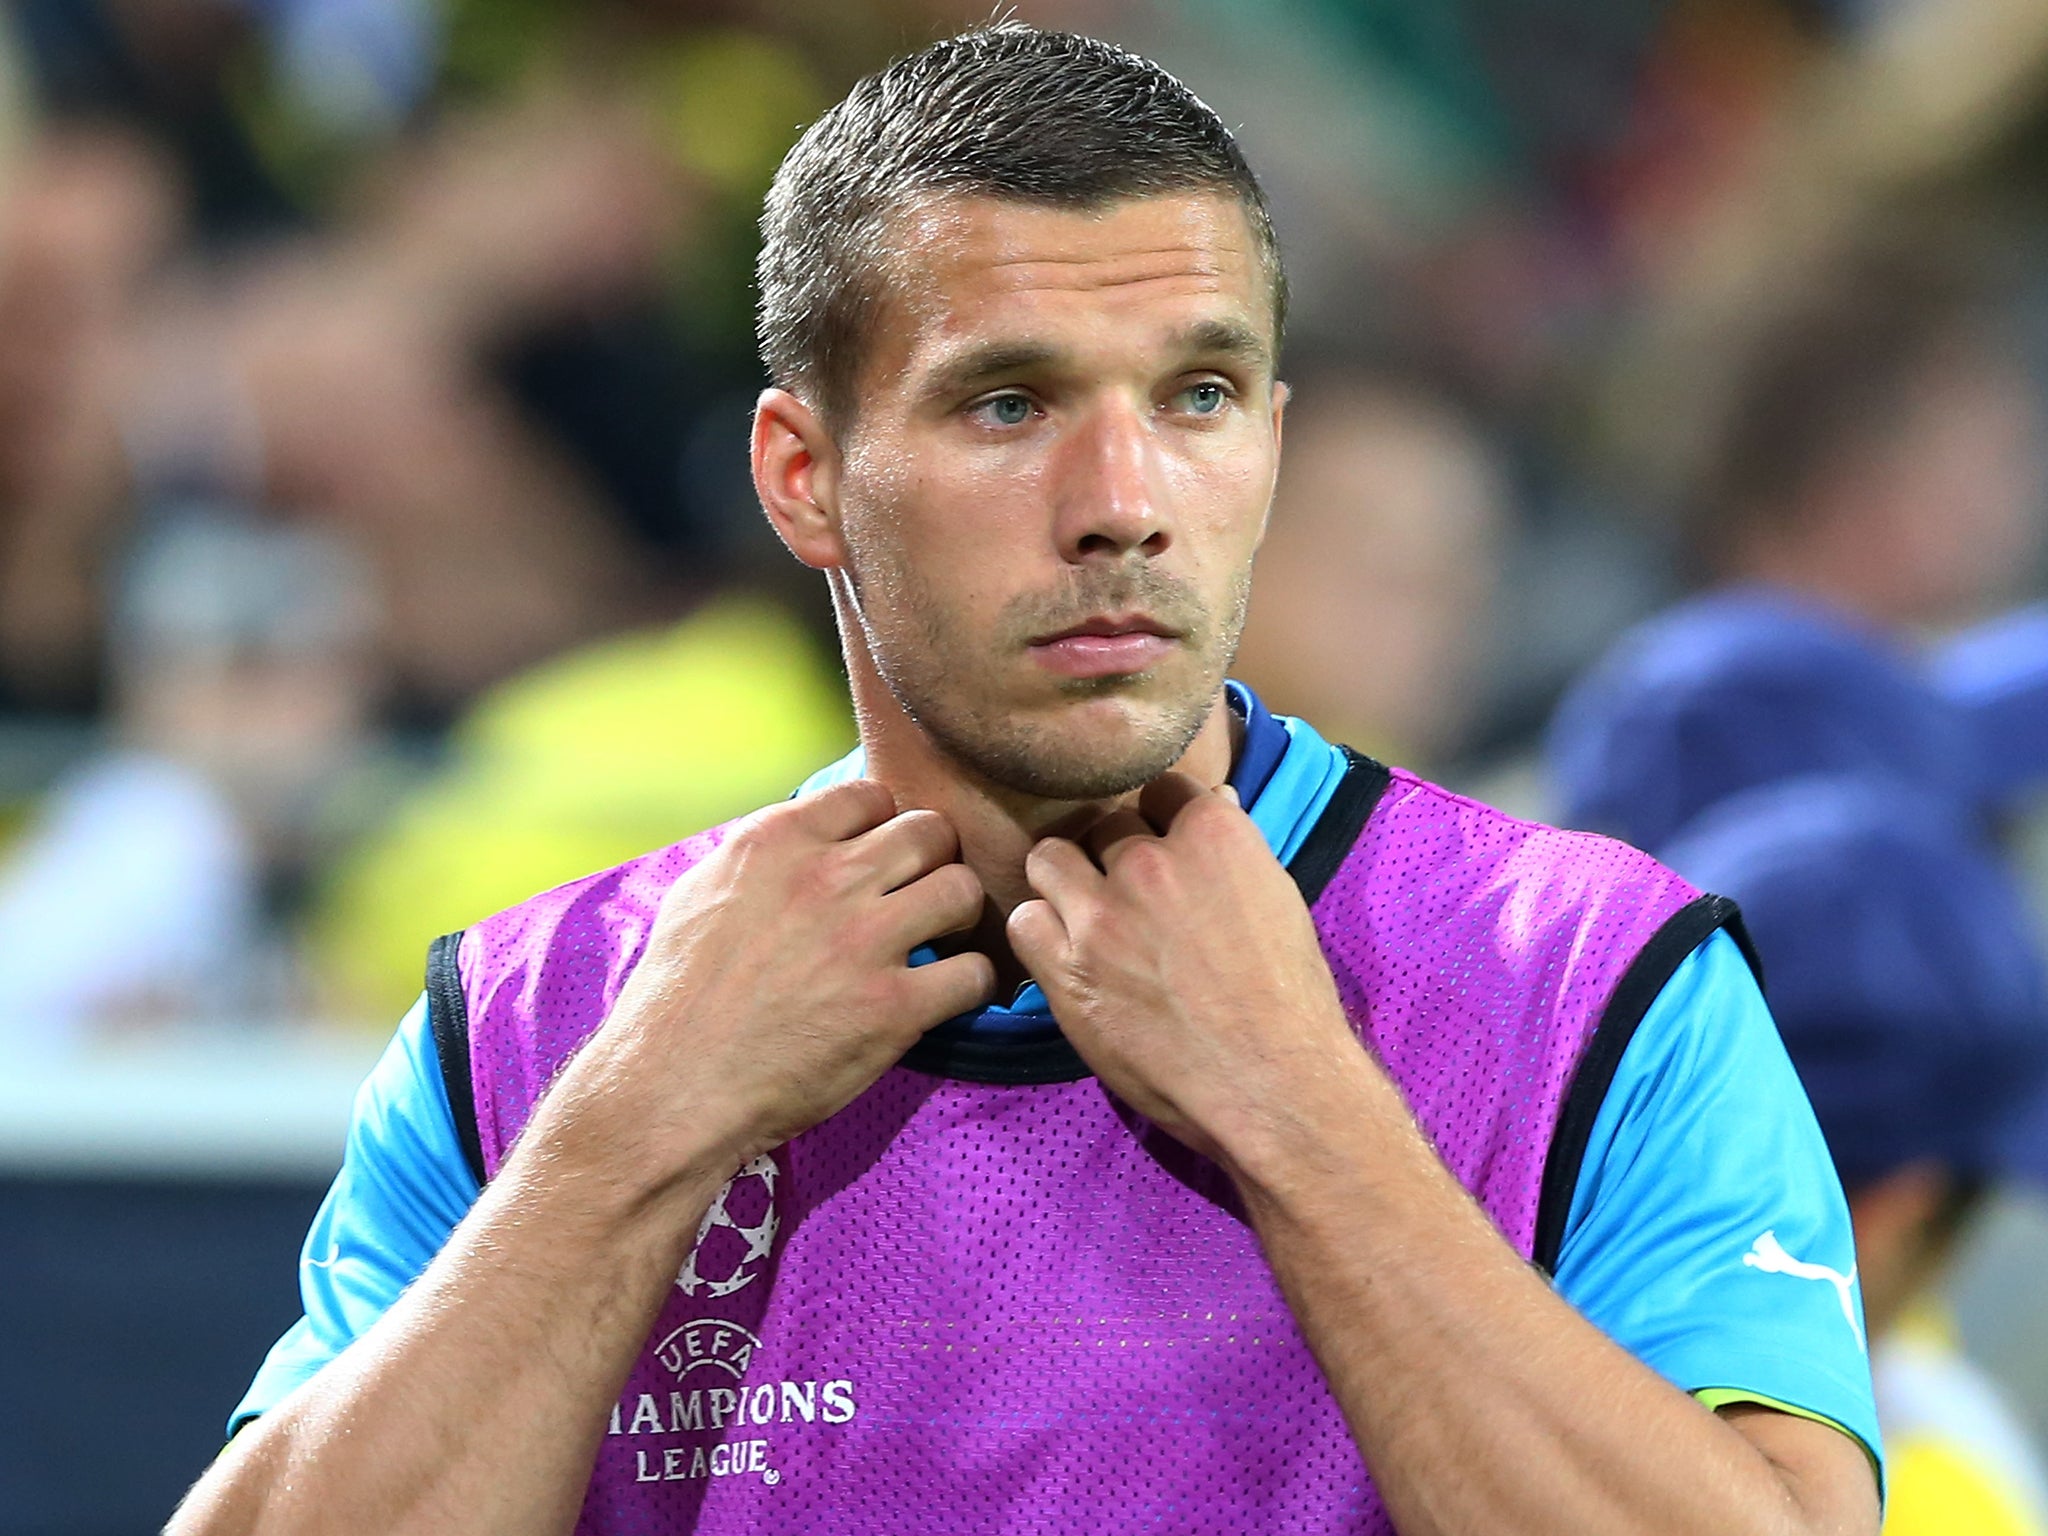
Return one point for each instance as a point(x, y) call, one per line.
point(1180, 960)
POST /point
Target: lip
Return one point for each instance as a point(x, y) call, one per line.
point(1109, 645)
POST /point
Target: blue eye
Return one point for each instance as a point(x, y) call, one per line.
point(1007, 410)
point(1205, 399)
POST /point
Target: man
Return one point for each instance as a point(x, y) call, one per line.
point(785, 1229)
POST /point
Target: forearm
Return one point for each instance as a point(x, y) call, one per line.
point(478, 1402)
point(772, 990)
point(1481, 1401)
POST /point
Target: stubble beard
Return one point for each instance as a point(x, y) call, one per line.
point(936, 675)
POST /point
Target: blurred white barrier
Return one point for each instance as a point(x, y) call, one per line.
point(2000, 1292)
point(226, 1104)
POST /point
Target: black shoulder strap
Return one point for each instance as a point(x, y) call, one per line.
point(1682, 933)
point(1331, 839)
point(448, 1012)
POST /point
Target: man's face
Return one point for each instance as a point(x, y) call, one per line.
point(1062, 451)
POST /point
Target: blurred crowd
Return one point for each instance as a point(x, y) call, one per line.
point(376, 543)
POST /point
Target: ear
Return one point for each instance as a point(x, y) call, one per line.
point(796, 475)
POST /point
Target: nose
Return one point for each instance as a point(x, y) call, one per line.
point(1113, 498)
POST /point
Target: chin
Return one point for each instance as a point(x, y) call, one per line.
point(1097, 746)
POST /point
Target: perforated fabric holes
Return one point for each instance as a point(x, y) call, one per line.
point(985, 1309)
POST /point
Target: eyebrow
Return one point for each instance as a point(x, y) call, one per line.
point(1224, 338)
point(986, 364)
point(1005, 359)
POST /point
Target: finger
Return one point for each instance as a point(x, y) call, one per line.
point(1167, 796)
point(947, 900)
point(841, 811)
point(905, 847)
point(1111, 833)
point(1061, 873)
point(1038, 935)
point(951, 986)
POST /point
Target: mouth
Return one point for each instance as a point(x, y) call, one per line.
point(1108, 645)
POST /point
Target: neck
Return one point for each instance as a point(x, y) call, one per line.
point(996, 825)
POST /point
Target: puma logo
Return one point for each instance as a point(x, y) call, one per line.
point(1769, 1255)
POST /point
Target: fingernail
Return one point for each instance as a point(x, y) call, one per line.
point(1231, 791)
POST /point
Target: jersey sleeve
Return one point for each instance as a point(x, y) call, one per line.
point(403, 1187)
point(1708, 1234)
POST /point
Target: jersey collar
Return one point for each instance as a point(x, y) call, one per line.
point(1282, 804)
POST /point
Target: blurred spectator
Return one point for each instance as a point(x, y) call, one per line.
point(347, 381)
point(456, 293)
point(1775, 750)
point(468, 295)
point(241, 690)
point(608, 751)
point(1380, 565)
point(159, 69)
point(88, 215)
point(1907, 984)
point(1881, 450)
point(1997, 673)
point(1739, 688)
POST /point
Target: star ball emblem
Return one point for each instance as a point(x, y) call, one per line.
point(736, 1235)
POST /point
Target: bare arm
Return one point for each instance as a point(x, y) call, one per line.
point(1481, 1401)
point(478, 1402)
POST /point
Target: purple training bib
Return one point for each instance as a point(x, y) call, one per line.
point(1010, 1305)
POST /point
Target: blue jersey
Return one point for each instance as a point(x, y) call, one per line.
point(1705, 1199)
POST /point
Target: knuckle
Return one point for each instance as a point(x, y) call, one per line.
point(758, 836)
point(769, 824)
point(838, 872)
point(923, 835)
point(1091, 930)
point(960, 888)
point(922, 824)
point(870, 795)
point(1146, 864)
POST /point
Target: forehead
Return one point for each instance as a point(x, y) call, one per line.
point(968, 270)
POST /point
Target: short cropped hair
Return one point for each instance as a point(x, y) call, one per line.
point(1004, 111)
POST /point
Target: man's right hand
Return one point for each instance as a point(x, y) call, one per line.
point(776, 985)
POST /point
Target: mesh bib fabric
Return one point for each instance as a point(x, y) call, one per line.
point(969, 1307)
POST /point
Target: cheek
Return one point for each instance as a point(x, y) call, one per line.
point(1222, 501)
point(918, 563)
point(968, 530)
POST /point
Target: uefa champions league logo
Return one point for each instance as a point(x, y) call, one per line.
point(736, 1235)
point(733, 1244)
